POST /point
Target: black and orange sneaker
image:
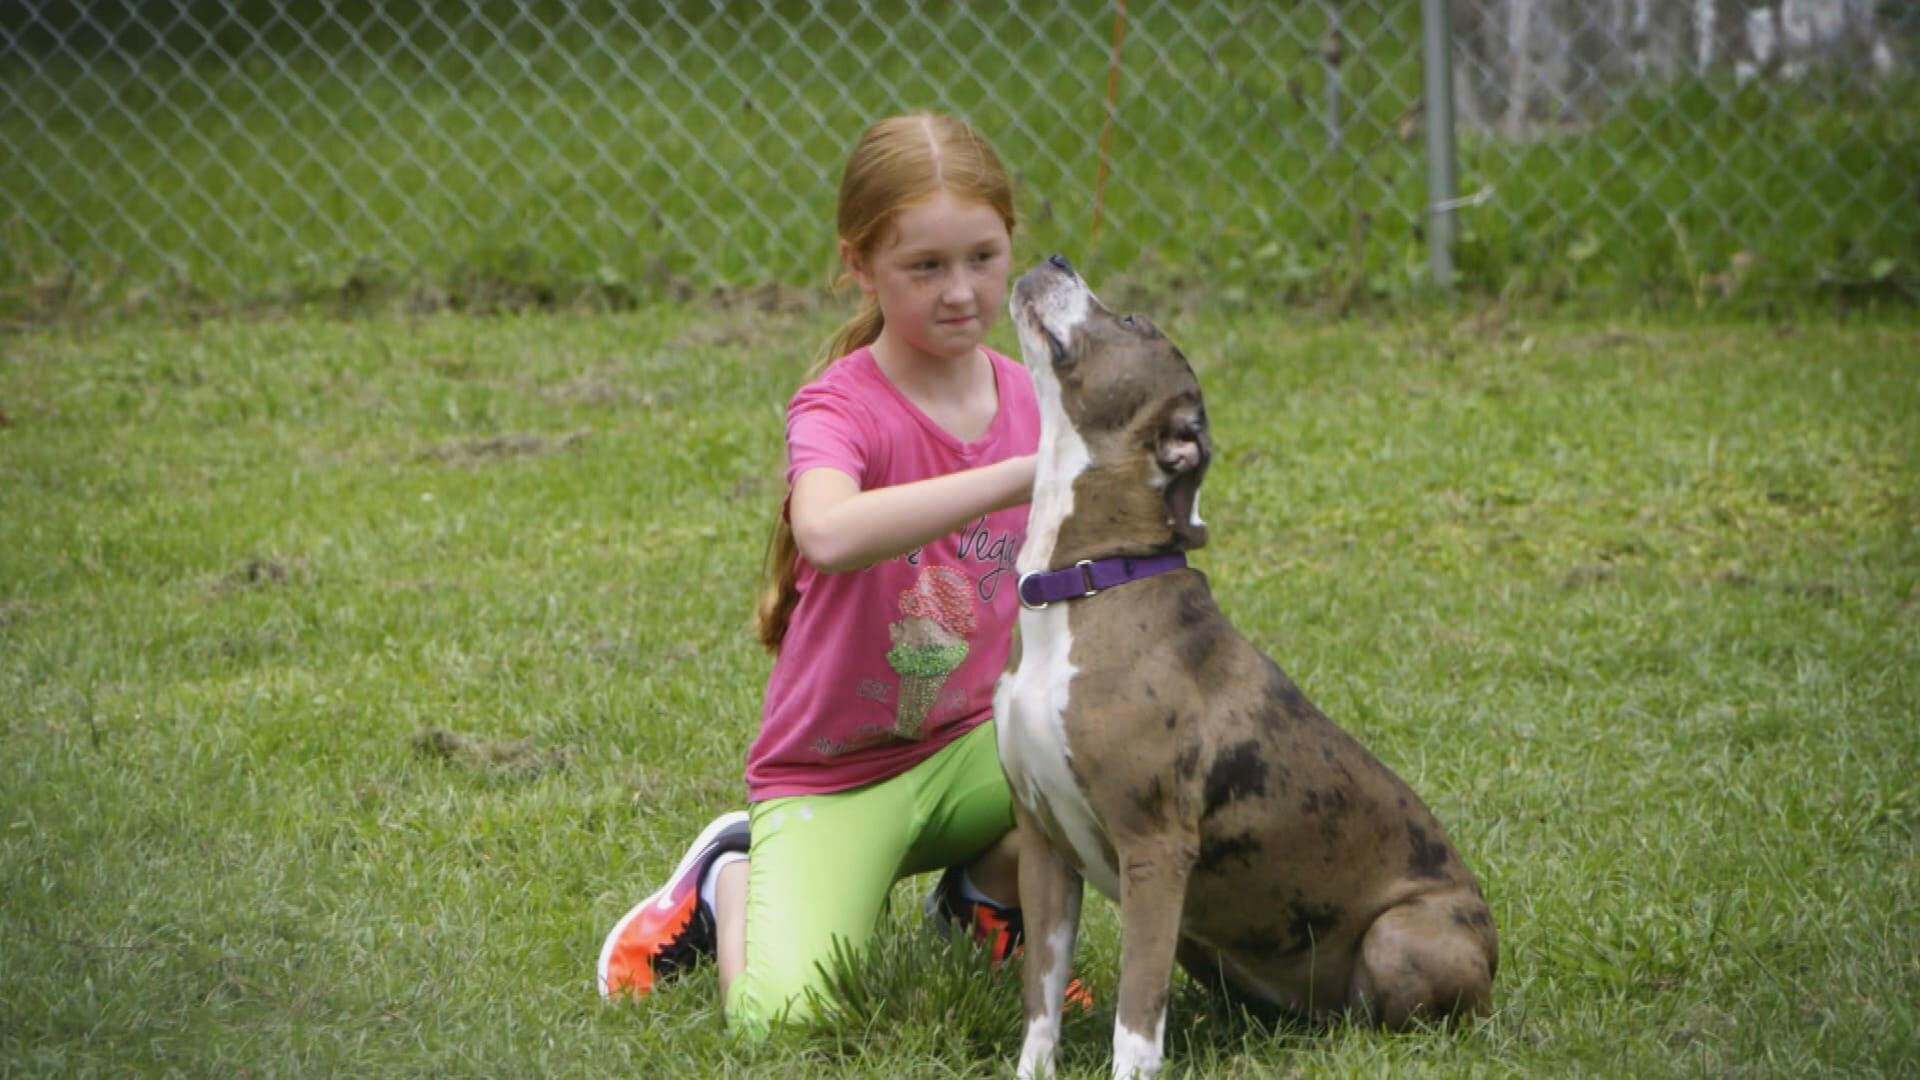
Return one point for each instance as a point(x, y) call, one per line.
point(998, 928)
point(670, 931)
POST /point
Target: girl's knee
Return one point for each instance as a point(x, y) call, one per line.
point(784, 982)
point(755, 1006)
point(747, 1016)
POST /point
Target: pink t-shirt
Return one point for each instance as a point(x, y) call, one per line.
point(882, 667)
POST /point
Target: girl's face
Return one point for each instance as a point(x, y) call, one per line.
point(939, 275)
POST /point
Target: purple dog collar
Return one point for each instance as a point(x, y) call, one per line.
point(1089, 576)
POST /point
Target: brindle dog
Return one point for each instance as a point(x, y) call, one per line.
point(1156, 753)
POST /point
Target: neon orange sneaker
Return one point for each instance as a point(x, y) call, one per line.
point(1000, 929)
point(670, 931)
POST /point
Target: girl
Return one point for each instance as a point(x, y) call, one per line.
point(889, 609)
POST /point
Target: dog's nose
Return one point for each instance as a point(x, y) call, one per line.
point(1060, 262)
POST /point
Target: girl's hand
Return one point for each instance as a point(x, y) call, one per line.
point(839, 527)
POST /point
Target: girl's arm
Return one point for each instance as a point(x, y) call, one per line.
point(839, 527)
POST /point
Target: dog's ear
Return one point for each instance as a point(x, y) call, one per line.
point(1182, 451)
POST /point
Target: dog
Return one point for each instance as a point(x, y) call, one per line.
point(1155, 752)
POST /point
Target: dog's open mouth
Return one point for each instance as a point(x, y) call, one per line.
point(1056, 349)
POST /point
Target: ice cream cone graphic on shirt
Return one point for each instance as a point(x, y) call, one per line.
point(929, 642)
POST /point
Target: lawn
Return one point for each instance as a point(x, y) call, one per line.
point(1634, 603)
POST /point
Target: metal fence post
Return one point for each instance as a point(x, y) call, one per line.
point(1437, 30)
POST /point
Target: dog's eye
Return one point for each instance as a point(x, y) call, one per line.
point(1127, 321)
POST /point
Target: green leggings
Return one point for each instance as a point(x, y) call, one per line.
point(822, 866)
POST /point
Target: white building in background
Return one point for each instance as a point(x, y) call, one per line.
point(1533, 65)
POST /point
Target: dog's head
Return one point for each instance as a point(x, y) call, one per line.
point(1130, 400)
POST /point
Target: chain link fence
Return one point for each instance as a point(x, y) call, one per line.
point(647, 148)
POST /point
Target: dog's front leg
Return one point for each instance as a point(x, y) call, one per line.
point(1050, 891)
point(1153, 890)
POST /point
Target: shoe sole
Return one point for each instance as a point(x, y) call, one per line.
point(708, 836)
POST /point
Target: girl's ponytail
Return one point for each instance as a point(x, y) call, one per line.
point(781, 573)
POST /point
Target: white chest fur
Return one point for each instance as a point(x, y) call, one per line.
point(1061, 458)
point(1030, 704)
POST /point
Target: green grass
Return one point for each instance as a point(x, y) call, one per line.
point(1634, 604)
point(536, 155)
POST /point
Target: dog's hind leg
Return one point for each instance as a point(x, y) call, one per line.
point(1426, 959)
point(1050, 892)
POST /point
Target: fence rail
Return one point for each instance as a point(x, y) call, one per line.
point(640, 147)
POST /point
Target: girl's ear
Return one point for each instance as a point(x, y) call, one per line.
point(856, 265)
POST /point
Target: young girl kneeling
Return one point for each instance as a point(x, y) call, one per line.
point(890, 609)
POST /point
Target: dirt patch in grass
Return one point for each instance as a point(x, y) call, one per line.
point(503, 447)
point(588, 390)
point(770, 298)
point(516, 757)
point(259, 571)
point(752, 487)
point(604, 390)
point(1607, 340)
point(1812, 590)
point(256, 572)
point(765, 316)
point(1588, 574)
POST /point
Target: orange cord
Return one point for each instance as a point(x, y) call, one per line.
point(1106, 129)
